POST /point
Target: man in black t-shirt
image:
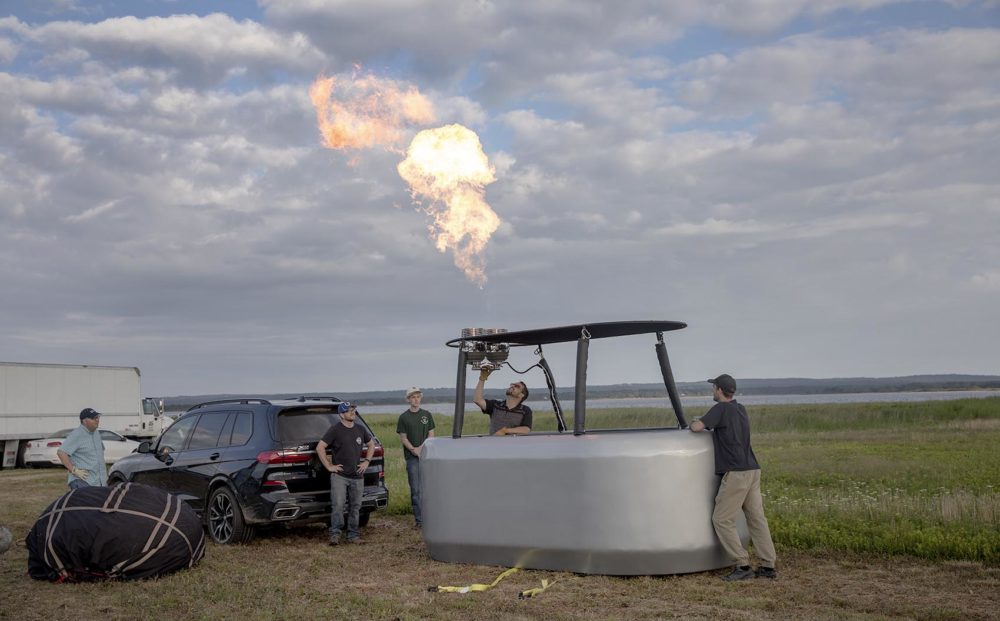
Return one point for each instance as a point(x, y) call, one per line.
point(508, 416)
point(347, 484)
point(740, 485)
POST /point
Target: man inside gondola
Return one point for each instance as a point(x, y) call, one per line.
point(508, 416)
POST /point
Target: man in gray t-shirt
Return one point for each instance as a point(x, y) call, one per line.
point(508, 416)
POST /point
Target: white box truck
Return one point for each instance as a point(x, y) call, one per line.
point(39, 399)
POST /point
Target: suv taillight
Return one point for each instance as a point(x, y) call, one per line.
point(283, 457)
point(378, 451)
point(52, 444)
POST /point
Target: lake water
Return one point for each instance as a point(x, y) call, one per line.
point(863, 397)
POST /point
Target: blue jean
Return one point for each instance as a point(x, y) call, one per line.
point(413, 475)
point(78, 484)
point(344, 490)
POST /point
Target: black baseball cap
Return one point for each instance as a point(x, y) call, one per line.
point(725, 382)
point(89, 413)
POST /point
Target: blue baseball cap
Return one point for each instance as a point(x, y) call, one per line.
point(346, 405)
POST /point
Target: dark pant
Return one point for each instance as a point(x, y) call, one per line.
point(344, 490)
point(78, 483)
point(413, 475)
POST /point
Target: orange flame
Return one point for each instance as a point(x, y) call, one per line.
point(367, 111)
point(447, 166)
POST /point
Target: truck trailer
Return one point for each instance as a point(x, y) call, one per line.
point(37, 400)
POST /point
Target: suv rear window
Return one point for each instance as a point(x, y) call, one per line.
point(242, 429)
point(301, 426)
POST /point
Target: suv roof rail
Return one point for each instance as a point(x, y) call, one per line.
point(201, 405)
point(305, 398)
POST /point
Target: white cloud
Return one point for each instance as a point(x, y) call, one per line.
point(988, 282)
point(930, 68)
point(165, 201)
point(93, 212)
point(714, 227)
point(201, 50)
point(8, 50)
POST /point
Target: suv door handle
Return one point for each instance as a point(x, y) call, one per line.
point(214, 456)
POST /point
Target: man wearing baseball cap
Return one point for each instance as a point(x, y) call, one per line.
point(740, 485)
point(82, 452)
point(347, 470)
point(414, 426)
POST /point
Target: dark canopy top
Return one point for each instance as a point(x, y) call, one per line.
point(565, 334)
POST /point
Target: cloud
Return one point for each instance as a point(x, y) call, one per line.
point(930, 67)
point(713, 227)
point(826, 179)
point(200, 50)
point(986, 282)
point(8, 50)
point(93, 212)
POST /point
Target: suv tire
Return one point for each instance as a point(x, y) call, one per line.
point(224, 518)
point(363, 518)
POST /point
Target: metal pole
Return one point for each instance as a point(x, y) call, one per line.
point(459, 420)
point(580, 405)
point(668, 380)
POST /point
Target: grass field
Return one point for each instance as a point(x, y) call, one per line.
point(879, 511)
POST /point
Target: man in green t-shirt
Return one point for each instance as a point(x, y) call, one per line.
point(415, 425)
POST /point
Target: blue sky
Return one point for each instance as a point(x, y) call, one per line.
point(810, 186)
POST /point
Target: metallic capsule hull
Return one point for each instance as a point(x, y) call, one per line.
point(614, 502)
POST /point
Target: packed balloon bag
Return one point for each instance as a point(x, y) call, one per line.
point(125, 532)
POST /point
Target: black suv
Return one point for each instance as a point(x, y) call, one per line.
point(246, 463)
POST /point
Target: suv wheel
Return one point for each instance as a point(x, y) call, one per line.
point(225, 518)
point(363, 518)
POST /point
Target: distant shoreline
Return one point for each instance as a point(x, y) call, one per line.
point(445, 407)
point(927, 383)
point(704, 401)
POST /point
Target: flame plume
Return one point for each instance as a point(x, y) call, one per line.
point(447, 167)
point(367, 111)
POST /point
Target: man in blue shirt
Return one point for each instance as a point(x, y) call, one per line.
point(82, 453)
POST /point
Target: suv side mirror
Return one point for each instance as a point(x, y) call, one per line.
point(143, 447)
point(164, 455)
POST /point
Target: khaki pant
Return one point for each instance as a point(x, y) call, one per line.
point(741, 490)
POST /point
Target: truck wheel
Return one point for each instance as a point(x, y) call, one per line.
point(22, 449)
point(224, 518)
point(363, 518)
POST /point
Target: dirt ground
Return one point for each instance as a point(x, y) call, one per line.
point(292, 574)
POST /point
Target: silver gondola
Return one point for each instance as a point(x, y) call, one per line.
point(616, 502)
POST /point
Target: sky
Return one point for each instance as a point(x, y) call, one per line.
point(812, 186)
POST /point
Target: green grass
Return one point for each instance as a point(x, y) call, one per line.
point(854, 494)
point(920, 479)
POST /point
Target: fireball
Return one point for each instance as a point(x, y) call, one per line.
point(446, 168)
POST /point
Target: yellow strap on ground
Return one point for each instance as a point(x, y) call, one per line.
point(472, 588)
point(533, 592)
